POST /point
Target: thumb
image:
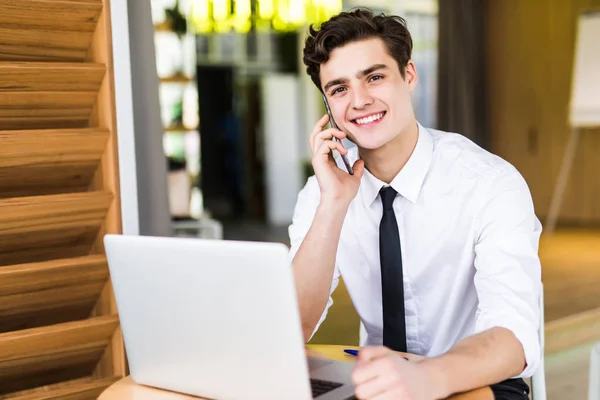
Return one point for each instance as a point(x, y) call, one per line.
point(359, 169)
point(370, 353)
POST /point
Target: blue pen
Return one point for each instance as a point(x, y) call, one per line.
point(355, 353)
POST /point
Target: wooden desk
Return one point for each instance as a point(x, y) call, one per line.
point(126, 389)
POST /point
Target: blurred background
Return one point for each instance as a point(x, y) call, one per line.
point(236, 109)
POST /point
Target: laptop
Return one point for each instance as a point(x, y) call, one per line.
point(216, 319)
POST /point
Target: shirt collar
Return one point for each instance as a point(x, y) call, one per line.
point(410, 179)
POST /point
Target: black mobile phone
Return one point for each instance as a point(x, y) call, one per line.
point(334, 125)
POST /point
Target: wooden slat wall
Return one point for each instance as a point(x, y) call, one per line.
point(59, 195)
point(529, 60)
point(107, 177)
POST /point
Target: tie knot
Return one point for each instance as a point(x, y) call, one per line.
point(388, 194)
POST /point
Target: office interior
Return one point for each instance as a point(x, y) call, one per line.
point(190, 118)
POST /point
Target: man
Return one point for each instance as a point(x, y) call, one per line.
point(436, 238)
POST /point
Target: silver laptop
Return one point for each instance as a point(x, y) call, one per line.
point(216, 319)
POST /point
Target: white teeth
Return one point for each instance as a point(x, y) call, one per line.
point(369, 119)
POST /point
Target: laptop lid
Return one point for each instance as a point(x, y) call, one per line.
point(216, 319)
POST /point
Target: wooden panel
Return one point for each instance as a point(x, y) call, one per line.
point(49, 299)
point(51, 369)
point(56, 315)
point(39, 76)
point(529, 60)
point(44, 227)
point(78, 389)
point(42, 180)
point(58, 352)
point(62, 305)
point(47, 29)
point(29, 214)
point(73, 239)
point(30, 110)
point(55, 339)
point(49, 161)
point(58, 196)
point(50, 147)
point(51, 274)
point(39, 294)
point(519, 138)
point(104, 115)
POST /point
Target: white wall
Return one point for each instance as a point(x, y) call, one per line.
point(124, 117)
point(142, 165)
point(283, 160)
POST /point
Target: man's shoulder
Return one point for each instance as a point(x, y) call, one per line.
point(460, 151)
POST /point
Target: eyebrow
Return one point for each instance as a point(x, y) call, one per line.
point(360, 74)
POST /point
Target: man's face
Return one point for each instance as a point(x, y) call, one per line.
point(367, 95)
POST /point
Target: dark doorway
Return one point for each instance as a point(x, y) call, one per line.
point(231, 174)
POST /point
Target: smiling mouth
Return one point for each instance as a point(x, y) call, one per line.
point(371, 119)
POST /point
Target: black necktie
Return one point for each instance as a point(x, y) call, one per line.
point(392, 283)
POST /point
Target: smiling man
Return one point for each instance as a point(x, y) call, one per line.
point(436, 238)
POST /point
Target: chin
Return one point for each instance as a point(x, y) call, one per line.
point(371, 143)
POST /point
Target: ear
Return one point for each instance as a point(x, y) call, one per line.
point(410, 75)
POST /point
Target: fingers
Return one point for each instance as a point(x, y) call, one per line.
point(374, 387)
point(318, 135)
point(327, 135)
point(320, 125)
point(359, 169)
point(388, 396)
point(318, 128)
point(328, 145)
point(366, 370)
point(372, 352)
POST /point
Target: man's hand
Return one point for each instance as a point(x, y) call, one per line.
point(382, 374)
point(475, 362)
point(334, 183)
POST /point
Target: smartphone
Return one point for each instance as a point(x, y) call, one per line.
point(334, 125)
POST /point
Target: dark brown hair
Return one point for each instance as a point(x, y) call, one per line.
point(351, 26)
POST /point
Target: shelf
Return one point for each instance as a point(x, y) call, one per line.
point(49, 161)
point(163, 27)
point(34, 110)
point(180, 128)
point(41, 228)
point(47, 30)
point(178, 96)
point(44, 76)
point(50, 292)
point(77, 389)
point(40, 356)
point(177, 79)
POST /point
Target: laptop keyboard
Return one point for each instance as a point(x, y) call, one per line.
point(320, 387)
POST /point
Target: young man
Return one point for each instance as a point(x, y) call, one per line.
point(436, 238)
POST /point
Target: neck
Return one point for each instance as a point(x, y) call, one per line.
point(387, 161)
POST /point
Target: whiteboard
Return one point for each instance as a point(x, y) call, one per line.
point(584, 107)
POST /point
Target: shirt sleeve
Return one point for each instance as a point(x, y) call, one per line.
point(304, 213)
point(508, 270)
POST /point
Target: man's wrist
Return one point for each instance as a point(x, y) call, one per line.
point(436, 377)
point(334, 205)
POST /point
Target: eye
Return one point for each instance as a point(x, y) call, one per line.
point(337, 90)
point(375, 78)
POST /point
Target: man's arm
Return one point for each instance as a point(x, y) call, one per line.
point(314, 264)
point(479, 360)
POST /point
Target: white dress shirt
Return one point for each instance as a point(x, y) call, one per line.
point(469, 240)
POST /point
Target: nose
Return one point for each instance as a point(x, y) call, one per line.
point(361, 97)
